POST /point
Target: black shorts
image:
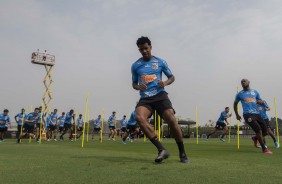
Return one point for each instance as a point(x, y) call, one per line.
point(38, 125)
point(52, 127)
point(97, 129)
point(123, 129)
point(220, 126)
point(19, 128)
point(112, 127)
point(79, 129)
point(61, 129)
point(267, 123)
point(4, 129)
point(159, 102)
point(29, 128)
point(256, 122)
point(131, 128)
point(67, 126)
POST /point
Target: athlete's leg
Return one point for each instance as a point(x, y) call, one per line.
point(215, 130)
point(225, 131)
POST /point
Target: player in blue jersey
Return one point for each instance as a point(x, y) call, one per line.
point(53, 125)
point(19, 118)
point(97, 126)
point(112, 126)
point(79, 125)
point(249, 99)
point(39, 123)
point(29, 124)
point(123, 123)
point(147, 78)
point(220, 125)
point(262, 109)
point(132, 128)
point(68, 125)
point(4, 121)
point(61, 122)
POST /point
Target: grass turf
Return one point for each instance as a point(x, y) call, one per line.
point(113, 162)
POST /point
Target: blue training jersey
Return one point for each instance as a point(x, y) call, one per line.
point(132, 120)
point(149, 73)
point(4, 121)
point(48, 121)
point(31, 116)
point(223, 115)
point(112, 120)
point(248, 100)
point(262, 110)
point(20, 117)
point(123, 123)
point(53, 119)
point(39, 119)
point(69, 118)
point(80, 122)
point(61, 120)
point(97, 123)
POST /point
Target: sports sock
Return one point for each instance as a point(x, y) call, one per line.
point(157, 143)
point(180, 147)
point(222, 136)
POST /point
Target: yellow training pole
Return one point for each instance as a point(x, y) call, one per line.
point(159, 127)
point(229, 131)
point(102, 126)
point(41, 123)
point(238, 128)
point(29, 140)
point(197, 125)
point(75, 123)
point(276, 119)
point(162, 128)
point(85, 114)
point(87, 131)
point(155, 125)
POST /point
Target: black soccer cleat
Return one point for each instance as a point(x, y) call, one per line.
point(184, 159)
point(161, 156)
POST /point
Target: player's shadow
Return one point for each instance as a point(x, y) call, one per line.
point(117, 159)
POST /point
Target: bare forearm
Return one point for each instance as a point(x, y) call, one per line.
point(170, 80)
point(235, 106)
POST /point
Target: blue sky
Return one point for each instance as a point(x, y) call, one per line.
point(209, 45)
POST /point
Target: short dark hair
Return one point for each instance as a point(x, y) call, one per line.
point(114, 112)
point(226, 108)
point(142, 40)
point(36, 108)
point(6, 110)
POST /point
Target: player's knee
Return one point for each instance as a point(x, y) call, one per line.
point(140, 119)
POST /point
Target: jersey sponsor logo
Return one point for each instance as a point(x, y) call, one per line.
point(156, 61)
point(259, 108)
point(148, 78)
point(249, 100)
point(252, 92)
point(139, 62)
point(155, 66)
point(147, 66)
point(151, 93)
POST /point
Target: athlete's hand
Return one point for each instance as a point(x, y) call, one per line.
point(142, 87)
point(161, 83)
point(260, 102)
point(238, 117)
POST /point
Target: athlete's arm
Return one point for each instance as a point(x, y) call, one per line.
point(141, 87)
point(267, 109)
point(235, 106)
point(169, 81)
point(16, 119)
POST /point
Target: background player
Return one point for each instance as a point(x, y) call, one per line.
point(19, 118)
point(61, 122)
point(132, 128)
point(220, 125)
point(68, 125)
point(97, 126)
point(4, 121)
point(123, 123)
point(112, 127)
point(79, 125)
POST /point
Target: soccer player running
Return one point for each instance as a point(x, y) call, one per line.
point(220, 125)
point(61, 122)
point(29, 124)
point(262, 109)
point(53, 125)
point(4, 121)
point(79, 125)
point(112, 127)
point(147, 78)
point(249, 99)
point(97, 126)
point(19, 118)
point(123, 123)
point(132, 128)
point(39, 122)
point(68, 125)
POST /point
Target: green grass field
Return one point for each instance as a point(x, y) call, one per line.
point(113, 162)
